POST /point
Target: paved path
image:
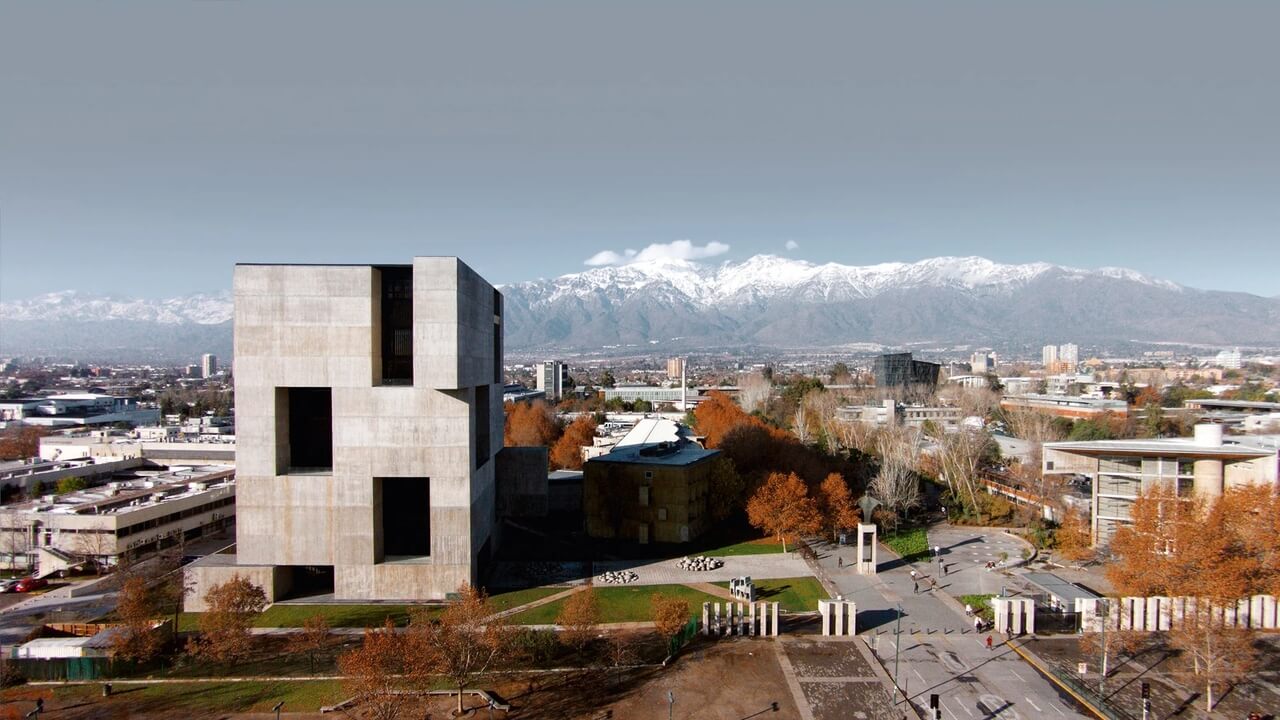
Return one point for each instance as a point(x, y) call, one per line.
point(940, 652)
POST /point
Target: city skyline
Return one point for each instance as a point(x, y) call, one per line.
point(178, 140)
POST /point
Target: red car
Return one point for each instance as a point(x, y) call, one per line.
point(27, 584)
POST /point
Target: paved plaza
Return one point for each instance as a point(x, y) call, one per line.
point(940, 651)
point(651, 572)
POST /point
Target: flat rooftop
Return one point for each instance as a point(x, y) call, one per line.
point(122, 496)
point(1060, 588)
point(1240, 446)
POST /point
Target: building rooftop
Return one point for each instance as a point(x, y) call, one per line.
point(126, 495)
point(1060, 588)
point(1240, 446)
point(657, 441)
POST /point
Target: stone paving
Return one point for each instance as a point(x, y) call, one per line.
point(940, 652)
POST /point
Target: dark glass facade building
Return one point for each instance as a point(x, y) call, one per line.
point(899, 370)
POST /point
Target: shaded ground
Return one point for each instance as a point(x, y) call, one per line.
point(837, 680)
point(730, 680)
point(1172, 692)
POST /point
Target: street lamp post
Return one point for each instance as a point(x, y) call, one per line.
point(671, 702)
point(897, 647)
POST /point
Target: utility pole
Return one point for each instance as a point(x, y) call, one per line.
point(1102, 676)
point(897, 647)
point(671, 703)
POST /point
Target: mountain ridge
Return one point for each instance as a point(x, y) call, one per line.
point(763, 300)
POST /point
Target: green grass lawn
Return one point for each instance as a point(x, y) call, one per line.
point(763, 546)
point(337, 615)
point(620, 604)
point(363, 615)
point(514, 598)
point(981, 605)
point(911, 543)
point(797, 594)
point(237, 697)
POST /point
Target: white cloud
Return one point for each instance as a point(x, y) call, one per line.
point(609, 257)
point(792, 244)
point(677, 250)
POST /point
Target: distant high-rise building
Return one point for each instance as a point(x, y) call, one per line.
point(193, 371)
point(1049, 355)
point(899, 370)
point(675, 368)
point(981, 363)
point(552, 377)
point(208, 365)
point(1069, 354)
point(1230, 359)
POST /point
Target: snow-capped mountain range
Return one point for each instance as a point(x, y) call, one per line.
point(763, 300)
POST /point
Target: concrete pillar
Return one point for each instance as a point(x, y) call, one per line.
point(719, 628)
point(752, 625)
point(1270, 616)
point(1152, 614)
point(1208, 478)
point(868, 549)
point(824, 611)
point(706, 618)
point(775, 619)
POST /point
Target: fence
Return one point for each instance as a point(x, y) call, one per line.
point(1153, 614)
point(758, 618)
point(78, 668)
point(682, 638)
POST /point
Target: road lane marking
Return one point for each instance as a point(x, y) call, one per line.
point(1037, 707)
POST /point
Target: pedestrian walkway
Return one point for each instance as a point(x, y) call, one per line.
point(938, 650)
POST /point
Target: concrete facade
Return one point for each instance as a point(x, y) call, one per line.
point(309, 341)
point(1121, 470)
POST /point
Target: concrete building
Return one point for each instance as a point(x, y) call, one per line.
point(1120, 470)
point(515, 392)
point(1049, 355)
point(899, 370)
point(553, 378)
point(208, 365)
point(652, 487)
point(1069, 354)
point(675, 368)
point(70, 410)
point(648, 393)
point(1064, 405)
point(981, 363)
point(368, 415)
point(891, 413)
point(137, 516)
point(1229, 359)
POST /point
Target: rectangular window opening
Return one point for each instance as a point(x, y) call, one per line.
point(308, 427)
point(404, 516)
point(483, 421)
point(497, 337)
point(396, 316)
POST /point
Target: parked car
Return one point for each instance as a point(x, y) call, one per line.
point(27, 584)
point(8, 586)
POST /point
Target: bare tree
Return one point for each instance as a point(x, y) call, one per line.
point(753, 392)
point(465, 642)
point(314, 639)
point(1220, 655)
point(800, 424)
point(896, 485)
point(959, 457)
point(379, 673)
point(224, 627)
point(579, 618)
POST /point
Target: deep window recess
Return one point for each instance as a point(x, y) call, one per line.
point(497, 337)
point(404, 516)
point(310, 424)
point(397, 325)
point(482, 424)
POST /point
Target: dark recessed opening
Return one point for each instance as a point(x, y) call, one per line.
point(310, 424)
point(397, 325)
point(309, 580)
point(483, 420)
point(405, 508)
point(497, 337)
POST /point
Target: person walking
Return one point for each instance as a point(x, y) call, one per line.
point(968, 610)
point(988, 642)
point(915, 587)
point(840, 562)
point(977, 624)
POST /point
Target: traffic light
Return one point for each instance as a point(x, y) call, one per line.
point(1146, 690)
point(935, 706)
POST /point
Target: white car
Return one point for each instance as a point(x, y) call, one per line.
point(8, 586)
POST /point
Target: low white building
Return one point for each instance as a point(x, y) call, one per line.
point(135, 517)
point(75, 410)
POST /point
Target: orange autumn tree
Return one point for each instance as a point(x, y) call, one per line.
point(835, 503)
point(567, 452)
point(783, 508)
point(530, 425)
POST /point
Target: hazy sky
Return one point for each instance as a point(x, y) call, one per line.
point(145, 148)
